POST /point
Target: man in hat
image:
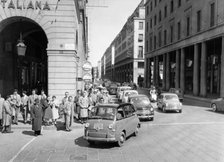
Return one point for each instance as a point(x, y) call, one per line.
point(31, 100)
point(7, 115)
point(16, 103)
point(36, 116)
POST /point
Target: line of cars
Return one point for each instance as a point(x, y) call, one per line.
point(114, 122)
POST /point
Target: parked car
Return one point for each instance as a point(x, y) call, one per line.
point(169, 102)
point(144, 109)
point(111, 123)
point(179, 93)
point(128, 93)
point(120, 91)
point(114, 101)
point(217, 104)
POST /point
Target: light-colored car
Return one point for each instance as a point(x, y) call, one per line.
point(120, 91)
point(111, 123)
point(144, 109)
point(128, 93)
point(217, 104)
point(179, 93)
point(169, 102)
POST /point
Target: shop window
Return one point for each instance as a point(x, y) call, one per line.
point(141, 65)
point(212, 14)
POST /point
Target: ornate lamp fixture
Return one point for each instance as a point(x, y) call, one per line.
point(21, 47)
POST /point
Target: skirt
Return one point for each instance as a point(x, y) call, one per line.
point(83, 113)
point(48, 113)
point(55, 114)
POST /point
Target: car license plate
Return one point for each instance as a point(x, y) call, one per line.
point(98, 126)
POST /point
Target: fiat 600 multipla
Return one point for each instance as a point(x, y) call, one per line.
point(111, 123)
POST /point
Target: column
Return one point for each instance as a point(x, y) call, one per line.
point(154, 71)
point(196, 71)
point(157, 71)
point(182, 70)
point(149, 73)
point(164, 71)
point(222, 70)
point(203, 85)
point(177, 73)
point(167, 71)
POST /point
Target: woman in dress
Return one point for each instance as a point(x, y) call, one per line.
point(54, 107)
point(48, 112)
point(84, 104)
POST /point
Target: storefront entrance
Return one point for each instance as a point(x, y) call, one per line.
point(22, 72)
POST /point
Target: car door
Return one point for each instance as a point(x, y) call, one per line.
point(120, 120)
point(130, 118)
point(160, 100)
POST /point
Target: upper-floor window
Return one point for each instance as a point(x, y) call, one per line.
point(188, 26)
point(165, 11)
point(147, 46)
point(212, 14)
point(160, 39)
point(199, 21)
point(147, 10)
point(150, 43)
point(140, 37)
point(171, 6)
point(155, 20)
point(141, 65)
point(147, 27)
point(179, 3)
point(155, 3)
point(140, 51)
point(140, 25)
point(154, 42)
point(171, 33)
point(151, 23)
point(178, 30)
point(165, 37)
point(151, 6)
point(160, 15)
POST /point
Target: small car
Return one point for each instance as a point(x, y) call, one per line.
point(217, 104)
point(111, 123)
point(179, 93)
point(144, 109)
point(112, 90)
point(128, 93)
point(169, 102)
point(120, 91)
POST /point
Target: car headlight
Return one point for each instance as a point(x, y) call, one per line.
point(180, 104)
point(86, 125)
point(166, 104)
point(151, 109)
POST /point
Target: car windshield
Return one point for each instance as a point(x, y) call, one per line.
point(107, 113)
point(171, 97)
point(140, 101)
point(130, 93)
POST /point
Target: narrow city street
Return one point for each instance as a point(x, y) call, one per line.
point(196, 134)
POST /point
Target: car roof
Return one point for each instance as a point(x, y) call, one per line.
point(139, 95)
point(113, 105)
point(166, 93)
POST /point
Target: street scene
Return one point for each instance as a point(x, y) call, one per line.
point(111, 81)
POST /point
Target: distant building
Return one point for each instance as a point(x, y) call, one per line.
point(184, 45)
point(124, 58)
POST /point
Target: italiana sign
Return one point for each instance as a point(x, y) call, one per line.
point(25, 4)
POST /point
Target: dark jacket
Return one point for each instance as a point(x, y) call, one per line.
point(36, 115)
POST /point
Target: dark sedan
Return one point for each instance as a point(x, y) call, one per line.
point(144, 109)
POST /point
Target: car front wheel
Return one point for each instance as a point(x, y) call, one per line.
point(136, 130)
point(121, 139)
point(164, 109)
point(214, 107)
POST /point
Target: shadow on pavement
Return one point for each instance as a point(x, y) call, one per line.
point(29, 133)
point(216, 112)
point(99, 145)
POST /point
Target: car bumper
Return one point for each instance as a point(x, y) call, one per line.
point(112, 139)
point(173, 108)
point(145, 116)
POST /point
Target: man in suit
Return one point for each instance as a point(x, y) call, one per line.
point(16, 103)
point(7, 115)
point(31, 100)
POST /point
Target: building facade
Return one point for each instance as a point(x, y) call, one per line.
point(184, 45)
point(124, 57)
point(55, 38)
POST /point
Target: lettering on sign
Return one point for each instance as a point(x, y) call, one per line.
point(25, 4)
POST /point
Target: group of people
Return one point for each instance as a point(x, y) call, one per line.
point(42, 109)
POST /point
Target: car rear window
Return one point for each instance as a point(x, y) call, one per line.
point(171, 97)
point(107, 113)
point(140, 101)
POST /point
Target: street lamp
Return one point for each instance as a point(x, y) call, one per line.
point(21, 47)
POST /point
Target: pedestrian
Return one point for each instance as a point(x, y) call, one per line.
point(31, 100)
point(84, 104)
point(16, 103)
point(24, 106)
point(44, 103)
point(76, 102)
point(48, 112)
point(62, 107)
point(106, 97)
point(94, 97)
point(69, 108)
point(7, 116)
point(36, 116)
point(54, 107)
point(2, 100)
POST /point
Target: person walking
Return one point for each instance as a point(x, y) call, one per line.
point(2, 100)
point(62, 107)
point(44, 103)
point(16, 103)
point(76, 102)
point(54, 107)
point(84, 104)
point(31, 100)
point(7, 116)
point(69, 108)
point(24, 106)
point(48, 112)
point(36, 116)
